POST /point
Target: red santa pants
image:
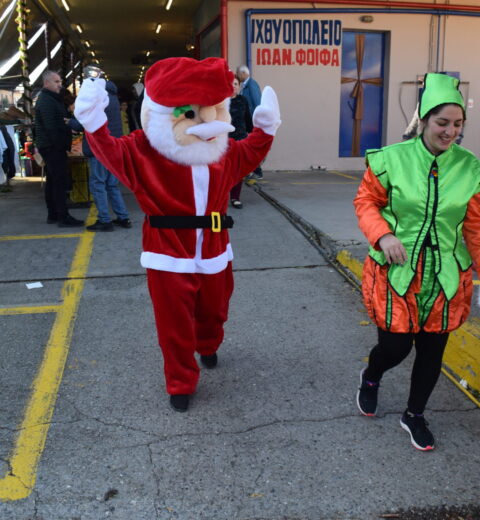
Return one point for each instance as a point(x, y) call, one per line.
point(190, 311)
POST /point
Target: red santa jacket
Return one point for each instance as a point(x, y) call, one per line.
point(163, 187)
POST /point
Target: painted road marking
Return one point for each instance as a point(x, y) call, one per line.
point(39, 237)
point(32, 433)
point(40, 309)
point(345, 175)
point(462, 355)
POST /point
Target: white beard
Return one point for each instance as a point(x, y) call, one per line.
point(158, 129)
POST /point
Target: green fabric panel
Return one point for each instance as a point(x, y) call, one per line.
point(420, 205)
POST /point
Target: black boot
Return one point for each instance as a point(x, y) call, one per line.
point(179, 402)
point(209, 361)
point(69, 221)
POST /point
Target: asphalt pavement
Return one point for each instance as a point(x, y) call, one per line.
point(272, 433)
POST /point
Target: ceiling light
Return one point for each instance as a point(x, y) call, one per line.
point(159, 26)
point(169, 4)
point(8, 10)
point(92, 53)
point(67, 7)
point(79, 29)
point(87, 44)
point(148, 53)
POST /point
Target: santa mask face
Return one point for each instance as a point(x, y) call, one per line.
point(191, 135)
point(194, 124)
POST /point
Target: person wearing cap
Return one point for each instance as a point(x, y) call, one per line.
point(419, 207)
point(181, 166)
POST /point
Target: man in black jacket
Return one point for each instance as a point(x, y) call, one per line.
point(53, 139)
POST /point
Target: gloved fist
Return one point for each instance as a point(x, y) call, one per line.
point(90, 104)
point(267, 115)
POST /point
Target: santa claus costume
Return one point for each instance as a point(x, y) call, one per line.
point(181, 168)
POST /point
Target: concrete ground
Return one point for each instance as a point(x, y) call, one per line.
point(273, 432)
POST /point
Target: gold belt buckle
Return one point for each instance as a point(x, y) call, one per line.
point(216, 221)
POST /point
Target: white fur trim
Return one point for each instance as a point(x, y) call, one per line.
point(201, 181)
point(161, 262)
point(155, 107)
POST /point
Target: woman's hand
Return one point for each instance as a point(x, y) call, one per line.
point(393, 249)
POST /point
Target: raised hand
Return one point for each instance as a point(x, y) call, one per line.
point(267, 115)
point(90, 104)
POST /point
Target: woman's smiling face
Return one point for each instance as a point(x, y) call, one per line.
point(443, 128)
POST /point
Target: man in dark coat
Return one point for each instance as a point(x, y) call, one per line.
point(103, 185)
point(53, 139)
point(8, 157)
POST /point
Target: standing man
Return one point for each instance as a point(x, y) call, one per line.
point(250, 90)
point(53, 139)
point(103, 185)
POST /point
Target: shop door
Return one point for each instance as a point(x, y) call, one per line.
point(361, 101)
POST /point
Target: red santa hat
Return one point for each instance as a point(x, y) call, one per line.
point(176, 82)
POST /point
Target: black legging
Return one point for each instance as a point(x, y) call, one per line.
point(393, 348)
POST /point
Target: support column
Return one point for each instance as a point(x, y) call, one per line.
point(21, 21)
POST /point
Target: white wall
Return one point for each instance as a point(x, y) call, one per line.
point(310, 96)
point(461, 54)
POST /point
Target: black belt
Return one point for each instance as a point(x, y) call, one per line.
point(214, 221)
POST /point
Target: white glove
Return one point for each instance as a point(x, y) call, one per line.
point(267, 115)
point(90, 105)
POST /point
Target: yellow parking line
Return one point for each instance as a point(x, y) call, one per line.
point(40, 309)
point(462, 355)
point(39, 237)
point(32, 433)
point(344, 175)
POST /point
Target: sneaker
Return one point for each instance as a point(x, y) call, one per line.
point(236, 204)
point(209, 361)
point(416, 426)
point(367, 396)
point(179, 402)
point(70, 221)
point(101, 226)
point(123, 222)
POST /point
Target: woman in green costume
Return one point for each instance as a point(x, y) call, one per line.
point(419, 207)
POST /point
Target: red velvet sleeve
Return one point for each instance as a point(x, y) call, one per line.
point(371, 197)
point(245, 155)
point(471, 230)
point(114, 153)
